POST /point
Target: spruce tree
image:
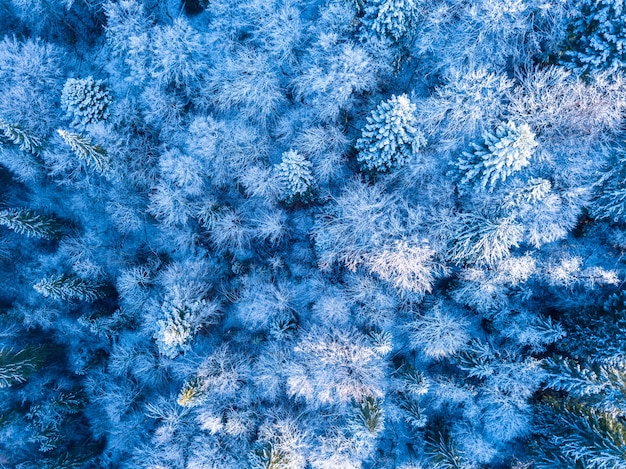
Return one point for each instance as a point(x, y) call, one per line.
point(295, 174)
point(392, 19)
point(571, 434)
point(94, 155)
point(597, 37)
point(390, 137)
point(443, 449)
point(367, 417)
point(175, 330)
point(179, 324)
point(52, 421)
point(193, 393)
point(16, 367)
point(66, 288)
point(501, 154)
point(580, 422)
point(19, 136)
point(87, 100)
point(30, 223)
point(610, 201)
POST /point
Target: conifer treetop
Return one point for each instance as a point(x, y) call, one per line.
point(87, 100)
point(295, 173)
point(94, 155)
point(391, 137)
point(502, 153)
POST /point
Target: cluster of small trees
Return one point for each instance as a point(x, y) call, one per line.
point(318, 234)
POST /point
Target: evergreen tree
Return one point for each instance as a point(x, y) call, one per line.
point(19, 136)
point(597, 383)
point(50, 420)
point(105, 325)
point(94, 155)
point(597, 36)
point(176, 330)
point(443, 449)
point(501, 154)
point(16, 367)
point(572, 434)
point(66, 288)
point(29, 223)
point(86, 100)
point(391, 137)
point(269, 457)
point(610, 201)
point(193, 393)
point(181, 320)
point(295, 173)
point(367, 417)
point(392, 19)
point(580, 422)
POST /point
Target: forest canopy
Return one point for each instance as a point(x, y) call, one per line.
point(312, 234)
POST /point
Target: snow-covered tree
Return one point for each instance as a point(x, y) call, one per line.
point(597, 36)
point(354, 226)
point(440, 332)
point(367, 418)
point(444, 450)
point(406, 266)
point(68, 287)
point(574, 435)
point(326, 146)
point(22, 137)
point(580, 420)
point(180, 322)
point(391, 137)
point(30, 223)
point(392, 19)
point(296, 177)
point(470, 100)
point(93, 155)
point(501, 154)
point(545, 214)
point(610, 201)
point(179, 55)
point(86, 100)
point(483, 241)
point(17, 366)
point(127, 33)
point(280, 30)
point(30, 70)
point(335, 74)
point(335, 367)
point(248, 81)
